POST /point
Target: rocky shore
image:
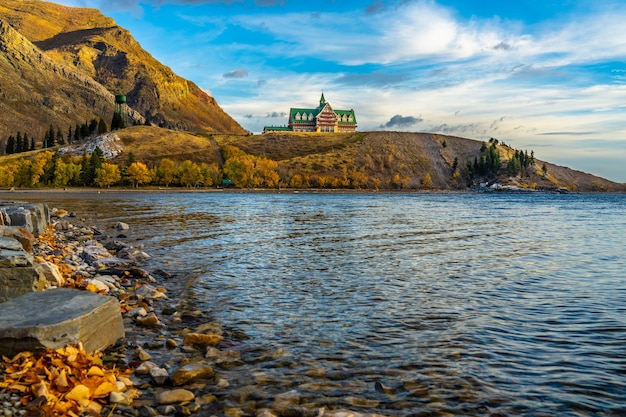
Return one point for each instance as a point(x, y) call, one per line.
point(173, 360)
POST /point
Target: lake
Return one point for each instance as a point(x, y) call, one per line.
point(402, 304)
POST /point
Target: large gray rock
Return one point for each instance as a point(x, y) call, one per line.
point(19, 273)
point(58, 317)
point(34, 217)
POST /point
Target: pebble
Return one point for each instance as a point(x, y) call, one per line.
point(190, 372)
point(159, 375)
point(175, 396)
point(151, 320)
point(142, 355)
point(201, 339)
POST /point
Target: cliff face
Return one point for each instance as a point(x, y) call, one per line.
point(63, 65)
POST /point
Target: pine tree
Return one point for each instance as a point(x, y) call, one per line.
point(60, 139)
point(93, 126)
point(19, 145)
point(102, 127)
point(10, 148)
point(77, 133)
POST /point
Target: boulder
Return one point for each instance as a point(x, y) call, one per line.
point(58, 317)
point(34, 217)
point(52, 274)
point(26, 238)
point(19, 273)
point(94, 252)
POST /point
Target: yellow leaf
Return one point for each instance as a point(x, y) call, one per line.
point(104, 390)
point(61, 381)
point(79, 392)
point(18, 387)
point(95, 371)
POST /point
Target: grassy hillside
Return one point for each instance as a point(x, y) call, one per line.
point(362, 160)
point(401, 160)
point(150, 144)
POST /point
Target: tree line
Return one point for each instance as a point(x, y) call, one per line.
point(54, 136)
point(51, 169)
point(488, 164)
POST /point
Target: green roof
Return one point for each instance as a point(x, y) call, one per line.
point(277, 128)
point(295, 110)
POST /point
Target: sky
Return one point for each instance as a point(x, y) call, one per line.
point(541, 75)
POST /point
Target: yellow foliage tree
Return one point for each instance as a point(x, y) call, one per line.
point(166, 171)
point(107, 175)
point(66, 173)
point(138, 173)
point(190, 174)
point(427, 181)
point(7, 175)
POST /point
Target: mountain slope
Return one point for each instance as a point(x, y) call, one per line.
point(36, 91)
point(91, 47)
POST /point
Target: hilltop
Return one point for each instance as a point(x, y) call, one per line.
point(62, 65)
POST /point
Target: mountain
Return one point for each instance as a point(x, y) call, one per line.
point(63, 66)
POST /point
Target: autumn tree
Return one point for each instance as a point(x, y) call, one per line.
point(190, 174)
point(138, 173)
point(107, 175)
point(166, 171)
point(7, 174)
point(66, 173)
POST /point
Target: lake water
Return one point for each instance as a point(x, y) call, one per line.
point(473, 305)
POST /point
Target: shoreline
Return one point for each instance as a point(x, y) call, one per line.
point(78, 191)
point(180, 362)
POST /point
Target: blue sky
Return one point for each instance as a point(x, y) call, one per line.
point(548, 76)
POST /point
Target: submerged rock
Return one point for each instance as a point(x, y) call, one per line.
point(175, 396)
point(190, 372)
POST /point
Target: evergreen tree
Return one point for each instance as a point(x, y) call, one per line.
point(10, 148)
point(93, 126)
point(102, 127)
point(69, 134)
point(84, 170)
point(32, 144)
point(455, 164)
point(84, 131)
point(49, 170)
point(19, 145)
point(117, 122)
point(77, 133)
point(95, 163)
point(60, 139)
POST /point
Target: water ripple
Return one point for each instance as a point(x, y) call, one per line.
point(459, 304)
